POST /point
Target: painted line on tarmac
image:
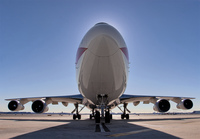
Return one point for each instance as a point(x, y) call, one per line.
point(129, 133)
point(105, 128)
point(97, 129)
point(101, 128)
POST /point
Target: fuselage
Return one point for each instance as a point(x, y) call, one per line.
point(102, 64)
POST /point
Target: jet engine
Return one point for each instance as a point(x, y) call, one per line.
point(39, 106)
point(185, 104)
point(162, 105)
point(65, 104)
point(15, 105)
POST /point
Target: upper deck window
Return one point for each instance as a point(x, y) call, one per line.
point(101, 23)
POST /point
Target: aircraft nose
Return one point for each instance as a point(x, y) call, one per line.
point(103, 45)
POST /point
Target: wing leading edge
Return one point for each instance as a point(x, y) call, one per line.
point(71, 99)
point(40, 104)
point(161, 103)
point(134, 98)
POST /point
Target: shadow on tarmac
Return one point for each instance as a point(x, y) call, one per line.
point(86, 129)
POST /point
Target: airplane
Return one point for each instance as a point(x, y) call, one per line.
point(102, 68)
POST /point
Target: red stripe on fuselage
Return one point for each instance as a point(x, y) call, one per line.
point(125, 51)
point(79, 53)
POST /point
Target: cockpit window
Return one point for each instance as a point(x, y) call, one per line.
point(101, 23)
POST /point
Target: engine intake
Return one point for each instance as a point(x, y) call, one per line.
point(15, 105)
point(162, 105)
point(185, 104)
point(39, 106)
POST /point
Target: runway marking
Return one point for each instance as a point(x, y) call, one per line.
point(97, 128)
point(105, 128)
point(101, 128)
point(129, 133)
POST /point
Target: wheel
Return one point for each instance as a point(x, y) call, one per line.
point(122, 116)
point(107, 117)
point(74, 116)
point(110, 116)
point(90, 116)
point(97, 117)
point(127, 116)
point(79, 116)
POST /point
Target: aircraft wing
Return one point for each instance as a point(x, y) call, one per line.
point(136, 99)
point(51, 99)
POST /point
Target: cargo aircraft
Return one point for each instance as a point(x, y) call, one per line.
point(102, 67)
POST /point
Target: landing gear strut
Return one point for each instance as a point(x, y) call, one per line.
point(105, 112)
point(77, 115)
point(124, 115)
point(92, 115)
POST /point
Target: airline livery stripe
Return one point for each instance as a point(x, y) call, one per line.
point(125, 51)
point(79, 53)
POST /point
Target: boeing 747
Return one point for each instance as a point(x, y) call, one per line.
point(102, 67)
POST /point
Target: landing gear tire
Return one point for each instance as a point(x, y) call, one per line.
point(79, 116)
point(127, 116)
point(111, 116)
point(97, 117)
point(90, 116)
point(74, 116)
point(122, 116)
point(107, 117)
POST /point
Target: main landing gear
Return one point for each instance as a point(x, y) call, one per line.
point(92, 115)
point(124, 115)
point(77, 115)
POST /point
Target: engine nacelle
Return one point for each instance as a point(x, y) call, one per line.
point(39, 106)
point(15, 105)
point(185, 104)
point(65, 104)
point(162, 105)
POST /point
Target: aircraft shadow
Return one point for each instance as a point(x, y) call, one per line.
point(86, 129)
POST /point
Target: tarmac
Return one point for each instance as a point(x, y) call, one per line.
point(63, 127)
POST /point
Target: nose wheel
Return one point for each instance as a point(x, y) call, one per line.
point(107, 117)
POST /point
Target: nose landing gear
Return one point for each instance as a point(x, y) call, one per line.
point(104, 108)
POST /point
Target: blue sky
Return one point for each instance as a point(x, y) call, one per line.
point(39, 40)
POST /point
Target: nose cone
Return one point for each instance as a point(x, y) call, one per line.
point(103, 45)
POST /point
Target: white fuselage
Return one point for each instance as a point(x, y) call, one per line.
point(102, 63)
